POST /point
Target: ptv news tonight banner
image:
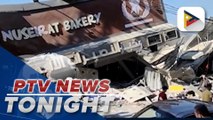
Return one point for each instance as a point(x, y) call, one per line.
point(27, 95)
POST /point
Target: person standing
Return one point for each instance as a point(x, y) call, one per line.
point(203, 82)
point(206, 94)
point(162, 95)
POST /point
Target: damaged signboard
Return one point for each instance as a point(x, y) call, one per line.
point(47, 29)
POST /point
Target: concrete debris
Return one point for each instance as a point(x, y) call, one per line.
point(179, 63)
point(128, 101)
point(135, 93)
point(124, 109)
point(84, 73)
point(192, 55)
point(116, 93)
point(53, 66)
point(134, 98)
point(153, 79)
point(131, 94)
point(184, 74)
point(203, 47)
point(153, 57)
point(174, 64)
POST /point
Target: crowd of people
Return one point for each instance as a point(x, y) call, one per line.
point(200, 111)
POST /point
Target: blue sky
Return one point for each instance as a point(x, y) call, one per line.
point(206, 4)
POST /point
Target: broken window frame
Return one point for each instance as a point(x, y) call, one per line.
point(154, 43)
point(172, 38)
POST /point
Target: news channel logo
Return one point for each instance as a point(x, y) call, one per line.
point(191, 19)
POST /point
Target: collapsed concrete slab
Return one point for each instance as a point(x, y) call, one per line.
point(135, 93)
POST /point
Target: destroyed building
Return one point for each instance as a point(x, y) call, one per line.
point(110, 44)
point(83, 39)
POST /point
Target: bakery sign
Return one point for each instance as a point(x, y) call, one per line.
point(36, 31)
point(50, 29)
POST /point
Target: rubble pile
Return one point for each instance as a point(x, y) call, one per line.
point(128, 101)
point(185, 77)
point(183, 63)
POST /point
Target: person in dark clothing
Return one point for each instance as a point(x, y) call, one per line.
point(162, 95)
point(201, 111)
